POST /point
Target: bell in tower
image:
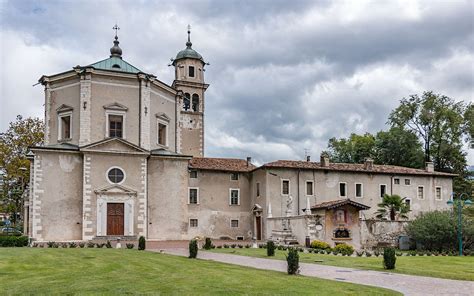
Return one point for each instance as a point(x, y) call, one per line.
point(189, 82)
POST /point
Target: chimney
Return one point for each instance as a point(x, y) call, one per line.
point(369, 164)
point(324, 160)
point(308, 158)
point(429, 166)
point(249, 161)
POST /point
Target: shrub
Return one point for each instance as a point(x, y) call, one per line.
point(320, 245)
point(100, 245)
point(13, 241)
point(280, 248)
point(108, 245)
point(376, 253)
point(233, 246)
point(72, 245)
point(130, 246)
point(90, 245)
point(344, 249)
point(293, 259)
point(81, 245)
point(389, 258)
point(50, 244)
point(247, 246)
point(226, 246)
point(399, 254)
point(270, 248)
point(193, 248)
point(141, 243)
point(207, 244)
point(64, 245)
point(368, 254)
point(219, 247)
point(359, 253)
point(240, 246)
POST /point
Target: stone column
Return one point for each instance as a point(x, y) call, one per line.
point(85, 110)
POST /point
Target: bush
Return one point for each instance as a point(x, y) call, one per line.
point(81, 245)
point(72, 245)
point(193, 248)
point(270, 248)
point(344, 249)
point(141, 243)
point(108, 245)
point(207, 244)
point(241, 246)
point(389, 258)
point(219, 247)
point(359, 253)
point(226, 246)
point(100, 245)
point(437, 231)
point(130, 246)
point(233, 246)
point(320, 245)
point(293, 259)
point(13, 241)
point(368, 254)
point(50, 244)
point(247, 246)
point(90, 245)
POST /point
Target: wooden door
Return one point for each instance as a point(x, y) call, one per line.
point(258, 225)
point(115, 220)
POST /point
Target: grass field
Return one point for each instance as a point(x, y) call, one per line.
point(458, 268)
point(36, 271)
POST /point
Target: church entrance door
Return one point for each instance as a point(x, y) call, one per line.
point(258, 225)
point(115, 218)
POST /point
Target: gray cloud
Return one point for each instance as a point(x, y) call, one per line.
point(284, 75)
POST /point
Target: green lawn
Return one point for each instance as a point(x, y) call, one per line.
point(110, 272)
point(458, 268)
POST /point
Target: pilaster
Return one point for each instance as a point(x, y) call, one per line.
point(47, 113)
point(37, 228)
point(145, 110)
point(85, 110)
point(87, 223)
point(142, 200)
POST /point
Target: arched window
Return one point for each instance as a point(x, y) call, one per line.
point(195, 102)
point(187, 99)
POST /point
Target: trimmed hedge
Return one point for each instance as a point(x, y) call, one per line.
point(389, 258)
point(13, 241)
point(141, 243)
point(344, 249)
point(193, 248)
point(320, 245)
point(293, 259)
point(271, 248)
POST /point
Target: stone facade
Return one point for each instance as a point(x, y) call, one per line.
point(123, 157)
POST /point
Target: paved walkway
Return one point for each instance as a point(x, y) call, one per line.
point(406, 284)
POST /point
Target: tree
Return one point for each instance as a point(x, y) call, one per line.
point(398, 146)
point(392, 206)
point(352, 150)
point(14, 144)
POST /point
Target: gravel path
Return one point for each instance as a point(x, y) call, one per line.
point(406, 284)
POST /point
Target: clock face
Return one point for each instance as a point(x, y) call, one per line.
point(319, 227)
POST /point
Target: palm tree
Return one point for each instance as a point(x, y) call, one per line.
point(393, 206)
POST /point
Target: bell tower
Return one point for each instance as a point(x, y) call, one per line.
point(189, 81)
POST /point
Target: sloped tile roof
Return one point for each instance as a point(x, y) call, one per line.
point(116, 64)
point(339, 203)
point(353, 167)
point(221, 164)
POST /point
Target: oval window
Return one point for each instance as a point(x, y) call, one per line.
point(115, 175)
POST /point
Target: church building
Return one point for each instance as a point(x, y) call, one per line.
point(124, 157)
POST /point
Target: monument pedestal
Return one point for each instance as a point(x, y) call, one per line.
point(284, 237)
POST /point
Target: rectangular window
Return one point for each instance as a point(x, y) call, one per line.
point(407, 182)
point(234, 223)
point(309, 187)
point(359, 190)
point(258, 189)
point(234, 197)
point(193, 223)
point(65, 127)
point(408, 203)
point(396, 181)
point(191, 71)
point(193, 174)
point(115, 126)
point(383, 190)
point(285, 187)
point(162, 134)
point(234, 176)
point(438, 193)
point(193, 195)
point(342, 189)
point(421, 193)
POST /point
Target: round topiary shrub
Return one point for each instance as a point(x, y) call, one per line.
point(270, 248)
point(293, 259)
point(389, 258)
point(193, 248)
point(207, 244)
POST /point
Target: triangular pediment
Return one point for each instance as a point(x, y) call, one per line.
point(162, 116)
point(114, 145)
point(64, 108)
point(116, 106)
point(115, 189)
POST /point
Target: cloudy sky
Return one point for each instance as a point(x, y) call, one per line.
point(285, 76)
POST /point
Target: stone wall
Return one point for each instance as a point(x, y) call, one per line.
point(376, 233)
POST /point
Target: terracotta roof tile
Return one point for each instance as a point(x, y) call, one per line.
point(353, 167)
point(338, 203)
point(221, 164)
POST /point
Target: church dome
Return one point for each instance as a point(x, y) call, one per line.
point(116, 51)
point(188, 52)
